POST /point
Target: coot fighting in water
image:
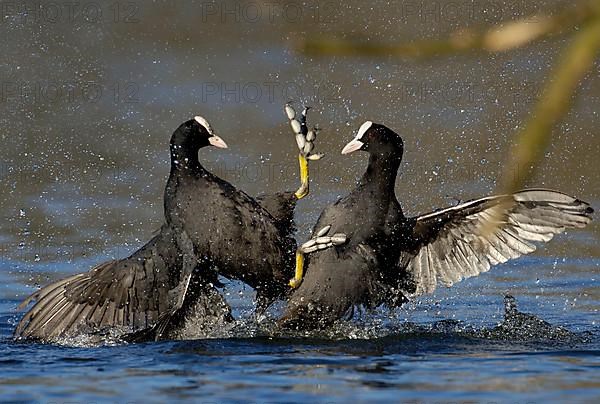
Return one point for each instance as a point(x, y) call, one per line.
point(141, 291)
point(210, 227)
point(388, 257)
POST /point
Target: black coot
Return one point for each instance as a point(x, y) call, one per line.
point(389, 258)
point(211, 227)
point(234, 233)
point(227, 228)
point(144, 290)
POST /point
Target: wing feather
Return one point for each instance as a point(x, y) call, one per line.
point(131, 293)
point(456, 243)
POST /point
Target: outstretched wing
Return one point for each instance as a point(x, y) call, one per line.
point(129, 294)
point(467, 239)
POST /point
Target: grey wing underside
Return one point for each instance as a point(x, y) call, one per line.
point(126, 295)
point(468, 239)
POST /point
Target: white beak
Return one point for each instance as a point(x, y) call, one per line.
point(352, 146)
point(217, 142)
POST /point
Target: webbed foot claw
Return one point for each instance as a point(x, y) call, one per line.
point(320, 241)
point(305, 139)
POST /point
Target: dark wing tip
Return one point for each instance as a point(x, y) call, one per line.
point(585, 209)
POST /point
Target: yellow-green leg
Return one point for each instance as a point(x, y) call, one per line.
point(297, 280)
point(320, 241)
point(304, 180)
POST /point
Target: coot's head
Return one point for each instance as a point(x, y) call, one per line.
point(194, 134)
point(375, 139)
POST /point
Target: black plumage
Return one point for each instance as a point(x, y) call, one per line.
point(389, 258)
point(211, 227)
point(227, 228)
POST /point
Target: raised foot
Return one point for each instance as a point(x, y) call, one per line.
point(320, 241)
point(305, 139)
